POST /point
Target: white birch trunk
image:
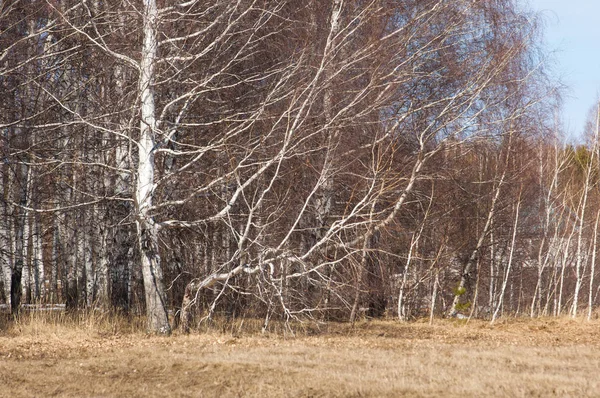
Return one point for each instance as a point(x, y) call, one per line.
point(84, 257)
point(7, 258)
point(436, 283)
point(67, 239)
point(414, 241)
point(6, 273)
point(579, 255)
point(121, 284)
point(564, 263)
point(156, 306)
point(55, 294)
point(586, 189)
point(24, 253)
point(593, 270)
point(102, 269)
point(26, 270)
point(492, 288)
point(324, 200)
point(509, 265)
point(17, 260)
point(38, 261)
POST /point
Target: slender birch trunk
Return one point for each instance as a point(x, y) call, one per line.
point(38, 260)
point(474, 307)
point(20, 225)
point(83, 271)
point(55, 296)
point(102, 267)
point(401, 306)
point(509, 265)
point(436, 283)
point(581, 216)
point(564, 263)
point(122, 236)
point(595, 240)
point(492, 287)
point(593, 270)
point(26, 275)
point(6, 265)
point(67, 238)
point(547, 243)
point(7, 257)
point(17, 271)
point(324, 200)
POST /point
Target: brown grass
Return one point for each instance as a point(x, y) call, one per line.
point(104, 356)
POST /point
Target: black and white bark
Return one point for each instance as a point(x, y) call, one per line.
point(156, 303)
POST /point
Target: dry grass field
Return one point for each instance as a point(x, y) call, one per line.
point(95, 358)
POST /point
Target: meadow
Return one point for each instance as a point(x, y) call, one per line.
point(91, 356)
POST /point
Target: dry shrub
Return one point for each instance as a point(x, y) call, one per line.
point(88, 322)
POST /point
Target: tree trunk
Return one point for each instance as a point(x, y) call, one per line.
point(510, 260)
point(7, 256)
point(68, 236)
point(38, 260)
point(593, 270)
point(156, 305)
point(586, 188)
point(20, 240)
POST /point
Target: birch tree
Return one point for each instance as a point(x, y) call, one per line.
point(257, 157)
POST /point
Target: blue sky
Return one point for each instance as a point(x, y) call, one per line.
point(572, 32)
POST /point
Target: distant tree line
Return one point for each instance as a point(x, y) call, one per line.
point(290, 160)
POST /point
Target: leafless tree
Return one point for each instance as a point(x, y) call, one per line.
point(264, 158)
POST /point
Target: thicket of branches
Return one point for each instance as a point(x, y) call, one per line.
point(289, 160)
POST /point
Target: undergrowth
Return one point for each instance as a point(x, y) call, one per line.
point(102, 323)
point(91, 321)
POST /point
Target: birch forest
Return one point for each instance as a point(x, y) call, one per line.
point(313, 161)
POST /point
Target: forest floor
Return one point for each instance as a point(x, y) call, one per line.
point(513, 358)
